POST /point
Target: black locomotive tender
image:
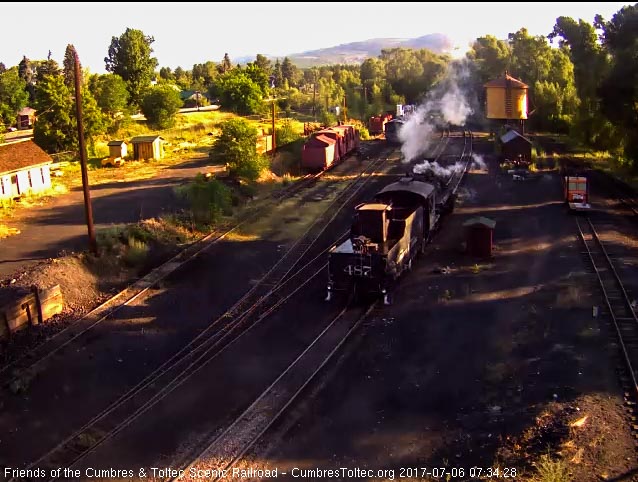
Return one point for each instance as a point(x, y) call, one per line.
point(387, 234)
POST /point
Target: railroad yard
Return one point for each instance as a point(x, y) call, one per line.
point(235, 360)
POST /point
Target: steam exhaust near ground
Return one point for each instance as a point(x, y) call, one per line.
point(450, 102)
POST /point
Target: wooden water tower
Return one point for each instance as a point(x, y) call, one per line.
point(506, 99)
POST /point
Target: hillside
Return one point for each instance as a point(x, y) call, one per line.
point(357, 52)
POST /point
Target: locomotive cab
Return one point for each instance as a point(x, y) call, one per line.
point(386, 235)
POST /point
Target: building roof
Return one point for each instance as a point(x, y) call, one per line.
point(480, 221)
point(26, 111)
point(116, 143)
point(20, 155)
point(503, 81)
point(511, 135)
point(138, 139)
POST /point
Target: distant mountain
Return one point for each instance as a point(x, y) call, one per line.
point(357, 52)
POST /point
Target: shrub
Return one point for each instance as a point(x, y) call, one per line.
point(208, 199)
point(286, 133)
point(327, 118)
point(237, 146)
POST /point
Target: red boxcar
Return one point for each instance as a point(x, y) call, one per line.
point(339, 138)
point(377, 123)
point(318, 153)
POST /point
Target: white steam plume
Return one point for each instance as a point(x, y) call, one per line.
point(446, 101)
point(437, 169)
point(478, 162)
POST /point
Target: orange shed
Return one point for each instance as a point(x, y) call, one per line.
point(480, 233)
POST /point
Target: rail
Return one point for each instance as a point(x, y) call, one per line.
point(615, 297)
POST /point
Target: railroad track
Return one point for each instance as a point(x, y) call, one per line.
point(617, 304)
point(224, 451)
point(276, 287)
point(155, 387)
point(455, 179)
point(220, 454)
point(32, 359)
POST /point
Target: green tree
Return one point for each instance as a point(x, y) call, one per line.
point(129, 56)
point(411, 73)
point(68, 66)
point(56, 128)
point(183, 78)
point(111, 94)
point(45, 67)
point(237, 145)
point(225, 65)
point(160, 105)
point(590, 66)
point(13, 95)
point(619, 90)
point(238, 92)
point(259, 77)
point(490, 58)
point(288, 71)
point(278, 73)
point(26, 73)
point(372, 71)
point(204, 74)
point(95, 121)
point(263, 63)
point(166, 73)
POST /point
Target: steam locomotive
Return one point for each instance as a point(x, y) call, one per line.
point(386, 236)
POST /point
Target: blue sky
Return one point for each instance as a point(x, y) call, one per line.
point(188, 33)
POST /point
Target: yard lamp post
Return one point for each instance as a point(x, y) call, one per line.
point(82, 146)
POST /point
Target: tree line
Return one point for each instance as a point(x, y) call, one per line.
point(582, 80)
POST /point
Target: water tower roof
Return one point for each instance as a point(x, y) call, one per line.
point(503, 81)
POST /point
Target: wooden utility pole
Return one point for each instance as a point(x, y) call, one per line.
point(85, 177)
point(273, 128)
point(314, 100)
point(345, 119)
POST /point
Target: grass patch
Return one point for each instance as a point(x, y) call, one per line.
point(136, 252)
point(551, 470)
point(132, 244)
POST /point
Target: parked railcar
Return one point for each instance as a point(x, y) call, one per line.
point(328, 147)
point(376, 124)
point(392, 129)
point(386, 236)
